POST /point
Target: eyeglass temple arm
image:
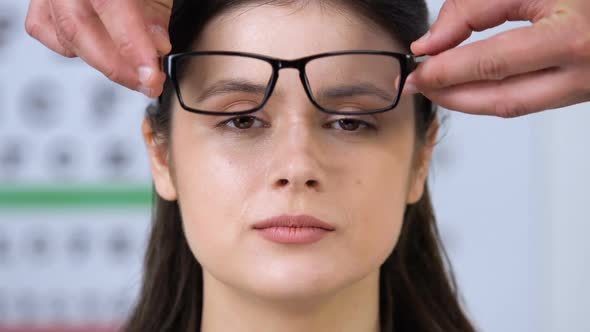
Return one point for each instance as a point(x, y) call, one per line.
point(421, 59)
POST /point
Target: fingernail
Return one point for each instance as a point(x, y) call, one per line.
point(145, 73)
point(145, 90)
point(410, 89)
point(424, 37)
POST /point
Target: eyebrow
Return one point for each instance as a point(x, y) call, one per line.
point(352, 90)
point(242, 85)
point(227, 86)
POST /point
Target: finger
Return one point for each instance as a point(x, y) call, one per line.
point(457, 19)
point(515, 96)
point(160, 39)
point(39, 25)
point(124, 22)
point(157, 15)
point(513, 52)
point(91, 42)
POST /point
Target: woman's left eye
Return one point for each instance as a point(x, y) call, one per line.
point(241, 122)
point(349, 124)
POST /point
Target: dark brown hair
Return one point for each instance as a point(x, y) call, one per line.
point(417, 287)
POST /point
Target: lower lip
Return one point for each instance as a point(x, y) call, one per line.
point(297, 235)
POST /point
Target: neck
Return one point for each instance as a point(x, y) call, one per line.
point(355, 308)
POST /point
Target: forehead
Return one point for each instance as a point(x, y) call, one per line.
point(293, 31)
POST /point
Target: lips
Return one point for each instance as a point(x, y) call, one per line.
point(293, 221)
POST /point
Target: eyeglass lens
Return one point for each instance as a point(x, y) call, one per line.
point(342, 83)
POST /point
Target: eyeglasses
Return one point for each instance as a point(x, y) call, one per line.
point(235, 83)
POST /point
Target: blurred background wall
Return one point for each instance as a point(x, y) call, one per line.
point(511, 197)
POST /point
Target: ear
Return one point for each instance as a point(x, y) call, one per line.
point(159, 163)
point(422, 164)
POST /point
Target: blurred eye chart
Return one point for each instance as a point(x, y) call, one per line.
point(75, 200)
point(75, 188)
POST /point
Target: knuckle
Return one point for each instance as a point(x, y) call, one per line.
point(126, 46)
point(581, 86)
point(440, 79)
point(507, 109)
point(505, 106)
point(66, 30)
point(435, 75)
point(32, 27)
point(463, 10)
point(490, 68)
point(68, 53)
point(112, 74)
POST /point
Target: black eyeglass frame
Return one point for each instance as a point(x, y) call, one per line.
point(408, 63)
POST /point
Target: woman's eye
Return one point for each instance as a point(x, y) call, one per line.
point(351, 124)
point(247, 122)
point(241, 122)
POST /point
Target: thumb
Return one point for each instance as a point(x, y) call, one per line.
point(157, 14)
point(457, 19)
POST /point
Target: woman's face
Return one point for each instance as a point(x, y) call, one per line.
point(293, 159)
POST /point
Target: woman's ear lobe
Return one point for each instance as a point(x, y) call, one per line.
point(417, 185)
point(432, 133)
point(159, 163)
point(422, 166)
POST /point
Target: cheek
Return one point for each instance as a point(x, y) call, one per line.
point(211, 187)
point(382, 181)
point(378, 206)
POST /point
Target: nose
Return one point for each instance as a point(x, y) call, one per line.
point(309, 183)
point(296, 164)
point(297, 160)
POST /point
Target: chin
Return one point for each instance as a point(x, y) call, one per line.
point(295, 291)
point(296, 283)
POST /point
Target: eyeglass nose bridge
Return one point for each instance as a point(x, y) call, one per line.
point(298, 64)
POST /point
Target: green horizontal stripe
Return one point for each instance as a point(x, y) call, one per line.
point(76, 196)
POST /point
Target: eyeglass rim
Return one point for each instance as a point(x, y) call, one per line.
point(408, 63)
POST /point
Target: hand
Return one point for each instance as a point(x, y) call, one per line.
point(120, 38)
point(517, 72)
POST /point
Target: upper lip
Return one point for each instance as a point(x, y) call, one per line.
point(301, 220)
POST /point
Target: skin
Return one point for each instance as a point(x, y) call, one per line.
point(121, 38)
point(521, 71)
point(225, 182)
point(517, 72)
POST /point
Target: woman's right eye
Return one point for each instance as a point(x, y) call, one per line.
point(241, 122)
